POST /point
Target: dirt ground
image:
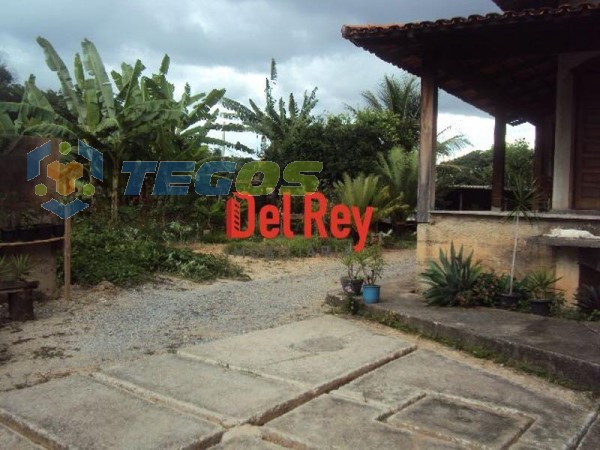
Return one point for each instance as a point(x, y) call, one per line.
point(106, 323)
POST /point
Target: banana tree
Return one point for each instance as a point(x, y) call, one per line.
point(140, 120)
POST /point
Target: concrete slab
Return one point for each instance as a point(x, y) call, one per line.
point(79, 412)
point(247, 438)
point(9, 440)
point(337, 423)
point(460, 422)
point(591, 440)
point(225, 396)
point(422, 373)
point(315, 352)
point(565, 348)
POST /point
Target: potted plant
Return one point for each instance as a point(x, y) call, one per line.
point(543, 293)
point(13, 272)
point(525, 199)
point(371, 265)
point(352, 282)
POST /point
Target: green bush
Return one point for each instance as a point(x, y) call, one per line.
point(452, 279)
point(280, 248)
point(128, 256)
point(588, 301)
point(486, 289)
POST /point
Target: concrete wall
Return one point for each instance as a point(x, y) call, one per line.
point(490, 236)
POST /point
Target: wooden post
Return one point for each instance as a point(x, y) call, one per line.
point(67, 259)
point(428, 142)
point(498, 163)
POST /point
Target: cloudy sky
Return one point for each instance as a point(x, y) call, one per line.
point(229, 44)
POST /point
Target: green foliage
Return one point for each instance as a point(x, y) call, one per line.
point(540, 284)
point(452, 279)
point(371, 263)
point(129, 256)
point(277, 119)
point(398, 171)
point(140, 120)
point(344, 144)
point(486, 289)
point(281, 248)
point(351, 260)
point(475, 168)
point(366, 190)
point(15, 267)
point(588, 301)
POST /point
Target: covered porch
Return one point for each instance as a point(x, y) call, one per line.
point(540, 66)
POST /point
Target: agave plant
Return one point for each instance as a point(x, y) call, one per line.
point(588, 299)
point(452, 279)
point(20, 266)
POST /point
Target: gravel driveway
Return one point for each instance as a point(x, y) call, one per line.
point(109, 324)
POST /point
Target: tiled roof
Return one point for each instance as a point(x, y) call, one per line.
point(503, 63)
point(516, 5)
point(351, 31)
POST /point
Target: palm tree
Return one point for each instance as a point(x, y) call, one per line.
point(366, 190)
point(399, 96)
point(276, 120)
point(398, 171)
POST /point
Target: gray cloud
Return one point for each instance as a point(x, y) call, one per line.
point(225, 43)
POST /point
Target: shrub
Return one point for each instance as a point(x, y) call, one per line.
point(452, 279)
point(128, 256)
point(588, 301)
point(281, 248)
point(486, 289)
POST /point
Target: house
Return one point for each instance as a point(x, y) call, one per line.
point(539, 62)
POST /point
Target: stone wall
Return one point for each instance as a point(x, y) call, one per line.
point(490, 236)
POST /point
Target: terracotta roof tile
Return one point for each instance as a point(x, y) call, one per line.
point(352, 31)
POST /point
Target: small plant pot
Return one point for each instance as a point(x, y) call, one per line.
point(540, 307)
point(356, 286)
point(371, 293)
point(508, 301)
point(346, 284)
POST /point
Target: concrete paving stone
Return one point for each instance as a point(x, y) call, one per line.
point(9, 440)
point(315, 351)
point(84, 413)
point(591, 440)
point(247, 438)
point(470, 424)
point(337, 423)
point(227, 396)
point(431, 373)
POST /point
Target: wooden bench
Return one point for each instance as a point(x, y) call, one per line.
point(20, 298)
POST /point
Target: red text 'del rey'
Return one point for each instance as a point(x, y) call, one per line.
point(274, 221)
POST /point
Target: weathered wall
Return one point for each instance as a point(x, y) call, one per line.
point(490, 236)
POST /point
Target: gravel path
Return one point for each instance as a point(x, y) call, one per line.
point(108, 324)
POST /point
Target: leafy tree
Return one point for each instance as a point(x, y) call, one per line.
point(141, 119)
point(343, 143)
point(476, 167)
point(277, 120)
point(10, 91)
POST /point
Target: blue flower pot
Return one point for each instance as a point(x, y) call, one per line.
point(371, 293)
